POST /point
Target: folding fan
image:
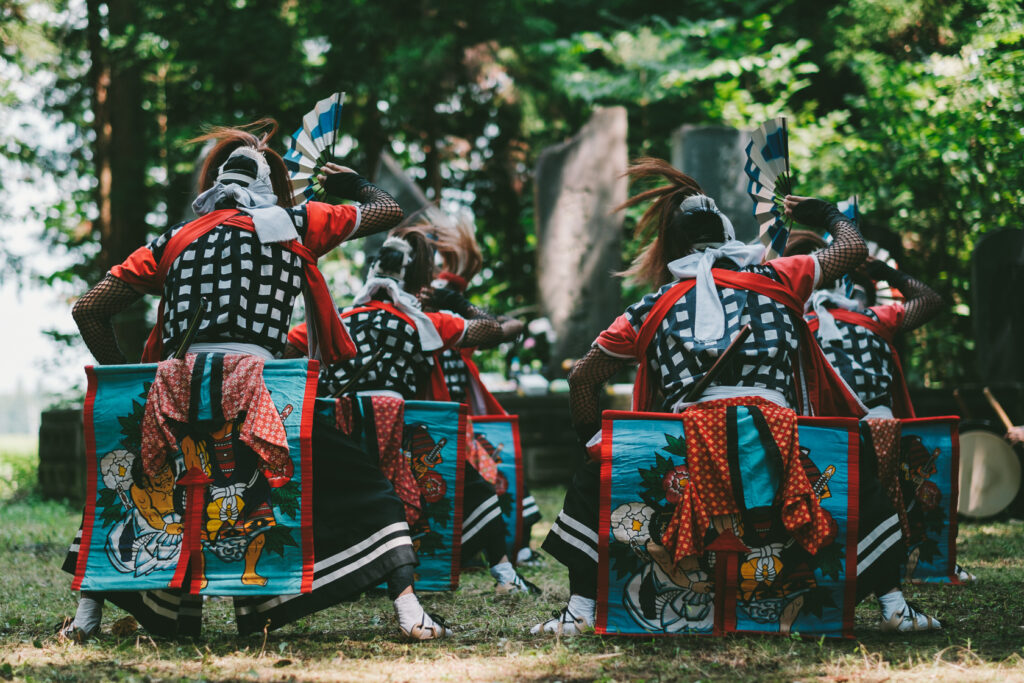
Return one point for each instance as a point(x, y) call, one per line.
point(312, 145)
point(769, 181)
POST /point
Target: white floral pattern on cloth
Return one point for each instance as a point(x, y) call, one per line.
point(631, 523)
point(242, 390)
point(116, 467)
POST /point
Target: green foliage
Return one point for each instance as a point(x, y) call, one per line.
point(829, 560)
point(429, 543)
point(277, 537)
point(288, 499)
point(111, 509)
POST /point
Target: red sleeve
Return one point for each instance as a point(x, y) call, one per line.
point(890, 316)
point(328, 225)
point(298, 337)
point(619, 339)
point(799, 273)
point(139, 271)
point(450, 327)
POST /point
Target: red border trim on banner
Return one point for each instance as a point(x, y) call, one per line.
point(519, 542)
point(852, 529)
point(954, 501)
point(306, 469)
point(604, 520)
point(89, 430)
point(460, 464)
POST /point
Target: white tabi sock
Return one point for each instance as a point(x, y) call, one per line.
point(408, 610)
point(897, 615)
point(414, 622)
point(892, 603)
point(504, 572)
point(88, 615)
point(583, 607)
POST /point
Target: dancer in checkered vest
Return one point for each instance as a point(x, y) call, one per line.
point(857, 336)
point(397, 326)
point(462, 261)
point(238, 268)
point(708, 287)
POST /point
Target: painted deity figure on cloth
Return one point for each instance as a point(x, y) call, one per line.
point(148, 537)
point(238, 509)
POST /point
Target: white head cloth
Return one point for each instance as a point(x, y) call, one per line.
point(709, 325)
point(827, 328)
point(392, 283)
point(252, 196)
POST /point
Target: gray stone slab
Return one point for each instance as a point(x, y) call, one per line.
point(579, 238)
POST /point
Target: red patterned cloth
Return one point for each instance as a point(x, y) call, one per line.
point(480, 460)
point(242, 390)
point(389, 422)
point(885, 437)
point(710, 492)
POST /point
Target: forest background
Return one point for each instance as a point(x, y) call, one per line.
point(913, 105)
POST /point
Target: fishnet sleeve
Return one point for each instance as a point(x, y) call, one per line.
point(378, 211)
point(847, 250)
point(482, 332)
point(588, 375)
point(93, 313)
point(922, 302)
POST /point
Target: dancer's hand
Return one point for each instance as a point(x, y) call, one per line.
point(810, 211)
point(330, 168)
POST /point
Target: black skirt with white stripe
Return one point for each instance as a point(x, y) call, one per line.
point(573, 536)
point(531, 513)
point(359, 533)
point(482, 525)
point(880, 546)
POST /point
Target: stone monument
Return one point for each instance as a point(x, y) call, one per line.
point(579, 237)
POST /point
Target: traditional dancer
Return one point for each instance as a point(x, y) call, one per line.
point(395, 341)
point(857, 337)
point(462, 261)
point(710, 286)
point(241, 265)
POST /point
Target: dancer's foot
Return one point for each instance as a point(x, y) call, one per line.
point(416, 624)
point(528, 557)
point(510, 581)
point(519, 585)
point(87, 619)
point(964, 575)
point(574, 619)
point(898, 615)
point(563, 623)
point(910, 619)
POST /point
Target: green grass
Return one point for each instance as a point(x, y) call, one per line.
point(982, 641)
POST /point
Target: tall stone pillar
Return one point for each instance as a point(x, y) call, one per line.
point(714, 156)
point(579, 238)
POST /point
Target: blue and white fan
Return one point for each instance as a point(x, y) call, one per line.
point(312, 145)
point(768, 182)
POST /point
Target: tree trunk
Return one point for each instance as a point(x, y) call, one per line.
point(120, 153)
